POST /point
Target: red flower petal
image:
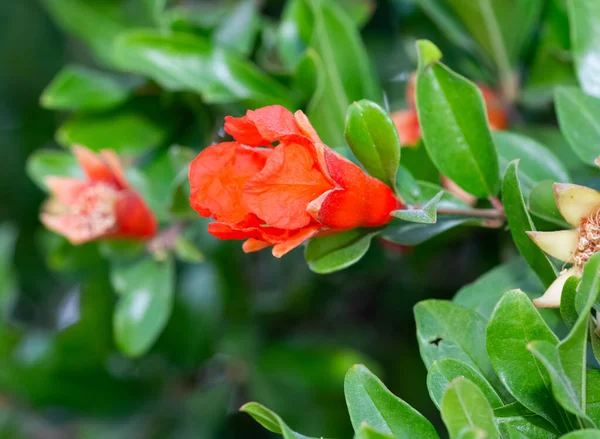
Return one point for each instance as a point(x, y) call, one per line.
point(217, 176)
point(295, 240)
point(94, 167)
point(66, 189)
point(281, 192)
point(407, 124)
point(134, 217)
point(263, 126)
point(360, 200)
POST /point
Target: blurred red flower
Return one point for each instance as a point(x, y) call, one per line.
point(407, 122)
point(285, 194)
point(102, 205)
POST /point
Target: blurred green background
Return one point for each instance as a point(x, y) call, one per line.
point(243, 327)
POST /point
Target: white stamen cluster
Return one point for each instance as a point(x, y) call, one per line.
point(95, 210)
point(589, 238)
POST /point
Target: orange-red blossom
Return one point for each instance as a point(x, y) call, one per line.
point(285, 194)
point(102, 205)
point(407, 121)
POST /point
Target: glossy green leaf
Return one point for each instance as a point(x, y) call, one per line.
point(550, 67)
point(240, 29)
point(568, 312)
point(342, 76)
point(407, 187)
point(132, 129)
point(446, 330)
point(563, 389)
point(443, 371)
point(454, 126)
point(425, 215)
point(367, 432)
point(146, 289)
point(8, 281)
point(515, 421)
point(585, 41)
point(374, 140)
point(536, 162)
point(409, 233)
point(520, 223)
point(583, 434)
point(592, 393)
point(573, 349)
point(270, 420)
point(370, 401)
point(483, 294)
point(464, 406)
point(579, 120)
point(501, 28)
point(542, 204)
point(183, 62)
point(332, 253)
point(514, 324)
point(81, 88)
point(45, 163)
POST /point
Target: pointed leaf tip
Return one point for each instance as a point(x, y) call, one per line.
point(428, 53)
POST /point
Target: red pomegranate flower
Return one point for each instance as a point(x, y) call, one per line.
point(102, 205)
point(285, 194)
point(407, 122)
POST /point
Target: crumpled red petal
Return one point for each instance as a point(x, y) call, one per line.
point(290, 180)
point(217, 177)
point(134, 217)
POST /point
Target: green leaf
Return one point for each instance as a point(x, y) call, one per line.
point(579, 120)
point(81, 88)
point(186, 251)
point(146, 289)
point(409, 233)
point(95, 22)
point(374, 140)
point(132, 129)
point(446, 330)
point(425, 215)
point(483, 294)
point(542, 204)
point(240, 29)
point(455, 128)
point(8, 282)
point(520, 223)
point(563, 389)
point(464, 406)
point(443, 371)
point(407, 187)
point(515, 421)
point(332, 253)
point(573, 349)
point(370, 401)
point(567, 301)
point(45, 163)
point(183, 62)
point(536, 162)
point(270, 420)
point(550, 67)
point(514, 324)
point(343, 76)
point(583, 434)
point(585, 42)
point(367, 432)
point(501, 28)
point(592, 395)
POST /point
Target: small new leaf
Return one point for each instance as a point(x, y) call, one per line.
point(426, 215)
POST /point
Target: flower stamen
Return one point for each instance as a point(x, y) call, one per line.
point(589, 238)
